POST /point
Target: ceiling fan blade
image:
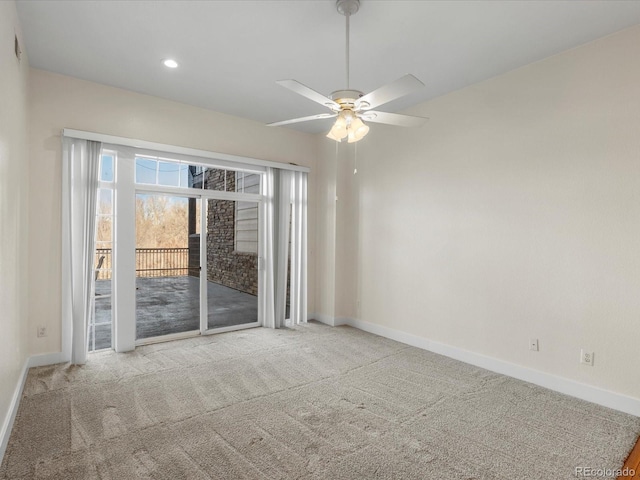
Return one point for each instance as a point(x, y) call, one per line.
point(396, 89)
point(303, 119)
point(393, 119)
point(311, 94)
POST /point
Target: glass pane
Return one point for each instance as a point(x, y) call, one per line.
point(194, 237)
point(232, 276)
point(230, 181)
point(246, 232)
point(102, 320)
point(184, 175)
point(251, 183)
point(240, 182)
point(105, 201)
point(167, 265)
point(102, 263)
point(146, 170)
point(192, 176)
point(214, 179)
point(198, 218)
point(108, 245)
point(169, 174)
point(287, 313)
point(104, 286)
point(106, 168)
point(99, 331)
point(104, 225)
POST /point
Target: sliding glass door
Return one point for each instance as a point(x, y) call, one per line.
point(196, 254)
point(232, 263)
point(191, 279)
point(167, 265)
point(191, 243)
point(182, 247)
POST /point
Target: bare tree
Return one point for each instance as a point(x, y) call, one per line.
point(161, 222)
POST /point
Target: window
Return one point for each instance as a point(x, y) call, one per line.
point(100, 323)
point(151, 170)
point(246, 214)
point(223, 241)
point(177, 173)
point(168, 173)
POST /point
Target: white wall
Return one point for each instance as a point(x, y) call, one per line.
point(58, 102)
point(14, 175)
point(513, 214)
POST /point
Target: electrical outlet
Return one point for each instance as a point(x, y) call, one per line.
point(42, 331)
point(533, 344)
point(586, 357)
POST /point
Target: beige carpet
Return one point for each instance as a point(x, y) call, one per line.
point(312, 402)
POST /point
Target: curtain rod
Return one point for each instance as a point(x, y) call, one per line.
point(162, 147)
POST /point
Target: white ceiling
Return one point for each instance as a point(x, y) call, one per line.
point(232, 52)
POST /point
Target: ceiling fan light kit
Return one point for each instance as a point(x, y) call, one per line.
point(349, 126)
point(351, 107)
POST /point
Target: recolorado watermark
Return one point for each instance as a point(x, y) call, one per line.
point(586, 472)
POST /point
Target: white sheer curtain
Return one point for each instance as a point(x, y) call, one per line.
point(284, 218)
point(298, 297)
point(80, 164)
point(281, 255)
point(267, 285)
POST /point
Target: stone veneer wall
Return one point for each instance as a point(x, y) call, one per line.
point(236, 270)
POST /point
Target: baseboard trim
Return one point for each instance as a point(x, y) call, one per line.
point(7, 425)
point(46, 359)
point(322, 318)
point(564, 385)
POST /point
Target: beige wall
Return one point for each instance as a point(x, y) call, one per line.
point(58, 102)
point(347, 221)
point(338, 211)
point(14, 175)
point(326, 231)
point(513, 214)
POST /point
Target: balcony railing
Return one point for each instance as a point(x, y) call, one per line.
point(150, 262)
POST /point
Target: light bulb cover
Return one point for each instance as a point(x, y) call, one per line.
point(341, 121)
point(362, 131)
point(357, 123)
point(339, 131)
point(348, 125)
point(333, 137)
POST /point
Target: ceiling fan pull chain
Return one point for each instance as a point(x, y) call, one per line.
point(355, 159)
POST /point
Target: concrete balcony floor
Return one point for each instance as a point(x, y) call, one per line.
point(166, 305)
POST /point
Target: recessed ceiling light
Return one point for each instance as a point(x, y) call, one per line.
point(170, 63)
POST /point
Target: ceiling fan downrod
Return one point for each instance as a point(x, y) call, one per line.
point(347, 8)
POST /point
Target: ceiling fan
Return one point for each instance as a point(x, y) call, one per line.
point(351, 107)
